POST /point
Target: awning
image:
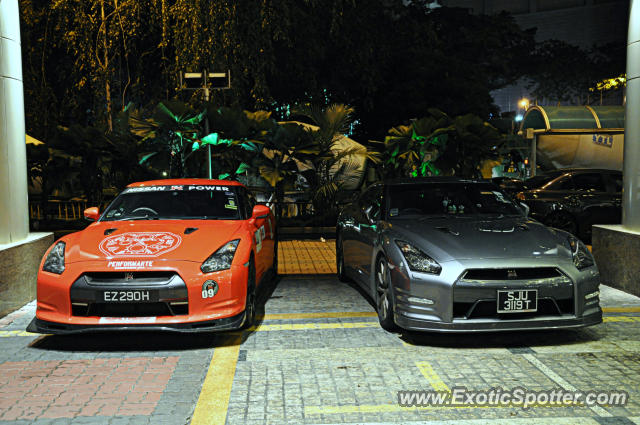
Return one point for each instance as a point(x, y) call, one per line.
point(574, 119)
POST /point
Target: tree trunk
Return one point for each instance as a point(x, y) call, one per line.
point(105, 67)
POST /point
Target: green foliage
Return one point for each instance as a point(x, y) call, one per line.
point(438, 144)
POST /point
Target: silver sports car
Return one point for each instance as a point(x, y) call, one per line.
point(446, 254)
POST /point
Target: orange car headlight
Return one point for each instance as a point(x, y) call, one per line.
point(221, 259)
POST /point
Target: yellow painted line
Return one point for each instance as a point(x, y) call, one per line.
point(306, 326)
point(213, 402)
point(621, 309)
point(627, 319)
point(328, 315)
point(434, 380)
point(7, 334)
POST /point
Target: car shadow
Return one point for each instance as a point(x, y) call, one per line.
point(515, 341)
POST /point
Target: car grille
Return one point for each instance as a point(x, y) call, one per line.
point(168, 294)
point(129, 310)
point(475, 293)
point(129, 278)
point(518, 273)
point(485, 309)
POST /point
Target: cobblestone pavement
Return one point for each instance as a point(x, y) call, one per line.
point(317, 356)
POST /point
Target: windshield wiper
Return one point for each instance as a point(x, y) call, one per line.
point(146, 217)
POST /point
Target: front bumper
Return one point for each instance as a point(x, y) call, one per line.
point(70, 301)
point(492, 325)
point(226, 324)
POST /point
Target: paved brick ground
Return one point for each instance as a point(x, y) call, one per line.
point(317, 356)
point(307, 257)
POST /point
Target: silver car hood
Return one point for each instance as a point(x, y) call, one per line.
point(460, 238)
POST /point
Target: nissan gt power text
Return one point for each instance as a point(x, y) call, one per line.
point(180, 255)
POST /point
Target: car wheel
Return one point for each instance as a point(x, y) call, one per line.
point(250, 302)
point(562, 221)
point(342, 277)
point(384, 298)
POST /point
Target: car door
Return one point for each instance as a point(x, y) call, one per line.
point(595, 203)
point(367, 217)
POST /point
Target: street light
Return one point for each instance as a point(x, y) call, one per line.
point(524, 103)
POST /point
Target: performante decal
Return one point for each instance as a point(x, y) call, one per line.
point(140, 244)
point(130, 264)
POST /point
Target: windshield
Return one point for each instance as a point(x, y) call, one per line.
point(174, 203)
point(449, 199)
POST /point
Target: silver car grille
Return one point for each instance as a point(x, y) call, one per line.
point(474, 294)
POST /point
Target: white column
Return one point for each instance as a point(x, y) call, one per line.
point(14, 206)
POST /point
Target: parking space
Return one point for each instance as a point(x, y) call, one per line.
point(316, 356)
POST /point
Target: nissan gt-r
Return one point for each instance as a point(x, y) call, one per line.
point(182, 255)
point(446, 254)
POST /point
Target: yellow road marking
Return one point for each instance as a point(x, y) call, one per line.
point(213, 402)
point(329, 315)
point(621, 319)
point(621, 309)
point(305, 326)
point(433, 378)
point(7, 334)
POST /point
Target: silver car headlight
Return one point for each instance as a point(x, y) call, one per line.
point(54, 263)
point(582, 258)
point(221, 259)
point(418, 261)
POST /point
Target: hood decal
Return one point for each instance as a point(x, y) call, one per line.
point(140, 244)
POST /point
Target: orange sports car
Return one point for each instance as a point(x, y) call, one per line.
point(181, 255)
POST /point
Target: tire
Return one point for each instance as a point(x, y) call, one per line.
point(563, 221)
point(250, 301)
point(384, 295)
point(342, 277)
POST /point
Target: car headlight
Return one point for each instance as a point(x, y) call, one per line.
point(221, 259)
point(582, 258)
point(54, 263)
point(418, 261)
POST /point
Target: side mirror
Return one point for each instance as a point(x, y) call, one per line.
point(92, 214)
point(525, 209)
point(368, 212)
point(260, 211)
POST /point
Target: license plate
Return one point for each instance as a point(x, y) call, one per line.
point(518, 301)
point(129, 296)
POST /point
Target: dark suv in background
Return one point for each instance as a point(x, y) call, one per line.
point(574, 199)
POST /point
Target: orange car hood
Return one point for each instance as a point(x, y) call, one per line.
point(150, 240)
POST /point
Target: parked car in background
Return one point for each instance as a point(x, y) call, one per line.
point(574, 199)
point(185, 255)
point(446, 254)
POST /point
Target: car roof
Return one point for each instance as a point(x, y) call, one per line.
point(200, 182)
point(439, 179)
point(579, 170)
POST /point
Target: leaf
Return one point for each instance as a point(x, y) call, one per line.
point(146, 157)
point(195, 146)
point(210, 139)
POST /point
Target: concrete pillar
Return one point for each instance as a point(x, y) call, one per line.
point(631, 165)
point(14, 207)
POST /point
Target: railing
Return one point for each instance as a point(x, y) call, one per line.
point(59, 210)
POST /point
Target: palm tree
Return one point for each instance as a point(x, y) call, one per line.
point(172, 130)
point(331, 164)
